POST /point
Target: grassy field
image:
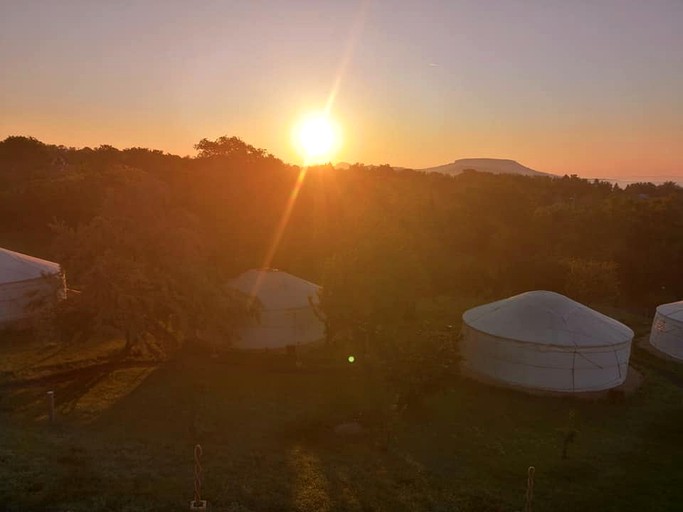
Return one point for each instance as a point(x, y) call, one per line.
point(125, 435)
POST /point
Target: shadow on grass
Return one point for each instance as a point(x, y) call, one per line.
point(269, 445)
point(86, 390)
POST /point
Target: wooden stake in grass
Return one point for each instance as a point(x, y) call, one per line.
point(570, 434)
point(51, 406)
point(530, 489)
point(198, 503)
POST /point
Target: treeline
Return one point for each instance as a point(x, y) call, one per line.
point(378, 238)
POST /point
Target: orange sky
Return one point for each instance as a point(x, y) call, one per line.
point(561, 87)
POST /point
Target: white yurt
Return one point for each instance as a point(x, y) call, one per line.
point(286, 316)
point(667, 329)
point(544, 340)
point(25, 280)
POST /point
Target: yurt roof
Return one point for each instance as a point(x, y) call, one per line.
point(547, 318)
point(15, 267)
point(672, 310)
point(276, 289)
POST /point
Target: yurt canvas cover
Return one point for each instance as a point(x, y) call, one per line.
point(286, 317)
point(23, 281)
point(667, 329)
point(544, 340)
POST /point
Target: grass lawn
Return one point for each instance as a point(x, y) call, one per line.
point(125, 437)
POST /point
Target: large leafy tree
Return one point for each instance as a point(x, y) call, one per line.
point(225, 146)
point(372, 285)
point(141, 269)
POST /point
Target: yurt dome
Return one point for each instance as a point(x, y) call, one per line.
point(544, 340)
point(667, 329)
point(287, 316)
point(25, 280)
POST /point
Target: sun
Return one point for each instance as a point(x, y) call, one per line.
point(317, 138)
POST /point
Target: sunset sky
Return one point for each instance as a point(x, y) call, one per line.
point(587, 87)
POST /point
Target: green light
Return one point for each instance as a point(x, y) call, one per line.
point(351, 359)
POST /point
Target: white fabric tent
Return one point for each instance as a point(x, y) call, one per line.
point(23, 281)
point(544, 340)
point(667, 329)
point(286, 317)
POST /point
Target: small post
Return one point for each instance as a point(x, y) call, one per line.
point(198, 503)
point(530, 489)
point(51, 405)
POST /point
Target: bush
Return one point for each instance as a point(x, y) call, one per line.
point(418, 362)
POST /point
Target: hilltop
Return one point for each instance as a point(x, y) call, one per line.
point(492, 165)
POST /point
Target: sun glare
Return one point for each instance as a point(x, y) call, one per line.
point(317, 138)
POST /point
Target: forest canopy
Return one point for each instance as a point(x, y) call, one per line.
point(377, 238)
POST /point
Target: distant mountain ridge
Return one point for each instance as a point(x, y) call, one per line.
point(492, 165)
